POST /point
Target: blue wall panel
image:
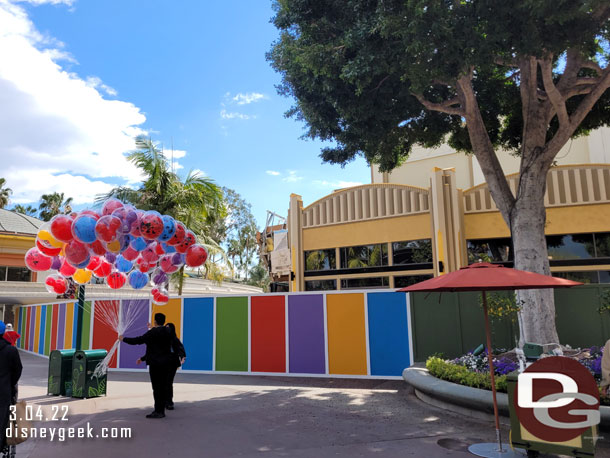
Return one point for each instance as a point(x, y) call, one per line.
point(198, 333)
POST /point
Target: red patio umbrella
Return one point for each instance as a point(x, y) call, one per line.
point(483, 276)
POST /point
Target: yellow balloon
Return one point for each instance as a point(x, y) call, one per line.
point(114, 246)
point(81, 276)
point(46, 236)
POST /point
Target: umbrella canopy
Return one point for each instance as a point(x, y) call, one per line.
point(483, 276)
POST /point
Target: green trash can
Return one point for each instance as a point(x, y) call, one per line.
point(60, 372)
point(84, 383)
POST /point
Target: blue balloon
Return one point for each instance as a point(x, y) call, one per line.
point(169, 228)
point(125, 240)
point(137, 279)
point(83, 229)
point(138, 243)
point(122, 264)
point(168, 248)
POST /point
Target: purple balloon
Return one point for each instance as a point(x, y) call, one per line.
point(158, 277)
point(56, 264)
point(110, 257)
point(178, 259)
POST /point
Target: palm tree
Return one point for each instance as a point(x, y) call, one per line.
point(54, 204)
point(25, 210)
point(5, 193)
point(233, 251)
point(196, 201)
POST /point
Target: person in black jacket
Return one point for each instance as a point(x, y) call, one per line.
point(10, 372)
point(158, 342)
point(178, 357)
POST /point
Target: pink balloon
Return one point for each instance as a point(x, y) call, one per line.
point(37, 261)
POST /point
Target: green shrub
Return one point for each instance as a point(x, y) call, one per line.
point(461, 375)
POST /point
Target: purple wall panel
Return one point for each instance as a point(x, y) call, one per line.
point(130, 353)
point(32, 327)
point(61, 326)
point(306, 334)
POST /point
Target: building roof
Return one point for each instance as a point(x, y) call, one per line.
point(15, 223)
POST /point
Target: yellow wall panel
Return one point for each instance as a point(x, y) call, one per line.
point(69, 328)
point(172, 311)
point(37, 329)
point(346, 334)
point(400, 228)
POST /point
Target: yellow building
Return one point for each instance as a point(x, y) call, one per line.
point(434, 214)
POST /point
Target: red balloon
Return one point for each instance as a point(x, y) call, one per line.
point(94, 263)
point(166, 264)
point(151, 225)
point(56, 284)
point(149, 254)
point(116, 280)
point(196, 256)
point(98, 248)
point(178, 235)
point(91, 213)
point(143, 265)
point(135, 226)
point(76, 252)
point(189, 240)
point(47, 250)
point(107, 228)
point(130, 254)
point(111, 205)
point(66, 269)
point(104, 269)
point(37, 261)
point(159, 249)
point(61, 228)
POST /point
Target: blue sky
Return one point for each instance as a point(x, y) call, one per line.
point(84, 76)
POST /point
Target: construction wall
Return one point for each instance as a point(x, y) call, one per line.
point(364, 334)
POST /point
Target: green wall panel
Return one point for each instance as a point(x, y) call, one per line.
point(232, 334)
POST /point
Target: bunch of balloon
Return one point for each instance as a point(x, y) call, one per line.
point(119, 245)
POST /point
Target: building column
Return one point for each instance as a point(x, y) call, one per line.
point(295, 238)
point(447, 222)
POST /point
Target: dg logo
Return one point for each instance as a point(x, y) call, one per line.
point(557, 399)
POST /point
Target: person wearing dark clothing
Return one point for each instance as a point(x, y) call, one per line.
point(158, 342)
point(10, 335)
point(178, 357)
point(10, 372)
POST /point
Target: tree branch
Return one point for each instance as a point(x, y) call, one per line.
point(592, 65)
point(444, 107)
point(555, 97)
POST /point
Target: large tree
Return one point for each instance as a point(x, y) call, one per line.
point(54, 204)
point(25, 210)
point(380, 76)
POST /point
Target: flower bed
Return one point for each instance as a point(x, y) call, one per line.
point(473, 370)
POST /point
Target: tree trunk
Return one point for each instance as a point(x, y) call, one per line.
point(180, 280)
point(527, 223)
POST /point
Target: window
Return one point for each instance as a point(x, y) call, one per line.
point(604, 276)
point(3, 273)
point(402, 282)
point(362, 283)
point(575, 246)
point(358, 257)
point(490, 250)
point(18, 274)
point(320, 285)
point(583, 277)
point(602, 245)
point(320, 260)
point(412, 252)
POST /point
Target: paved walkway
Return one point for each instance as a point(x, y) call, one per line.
point(245, 416)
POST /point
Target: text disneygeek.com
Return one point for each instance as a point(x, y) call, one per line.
point(61, 433)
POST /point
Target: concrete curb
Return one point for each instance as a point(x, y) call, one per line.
point(449, 394)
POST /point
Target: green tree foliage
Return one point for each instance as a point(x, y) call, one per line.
point(5, 193)
point(259, 277)
point(54, 204)
point(380, 77)
point(25, 210)
point(240, 229)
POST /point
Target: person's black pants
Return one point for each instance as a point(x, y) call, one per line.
point(159, 376)
point(170, 387)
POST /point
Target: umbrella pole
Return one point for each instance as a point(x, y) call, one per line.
point(491, 372)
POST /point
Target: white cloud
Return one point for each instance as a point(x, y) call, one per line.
point(177, 153)
point(337, 184)
point(273, 173)
point(58, 131)
point(96, 83)
point(224, 114)
point(41, 2)
point(248, 97)
point(292, 177)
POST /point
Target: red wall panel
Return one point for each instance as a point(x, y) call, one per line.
point(268, 321)
point(103, 335)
